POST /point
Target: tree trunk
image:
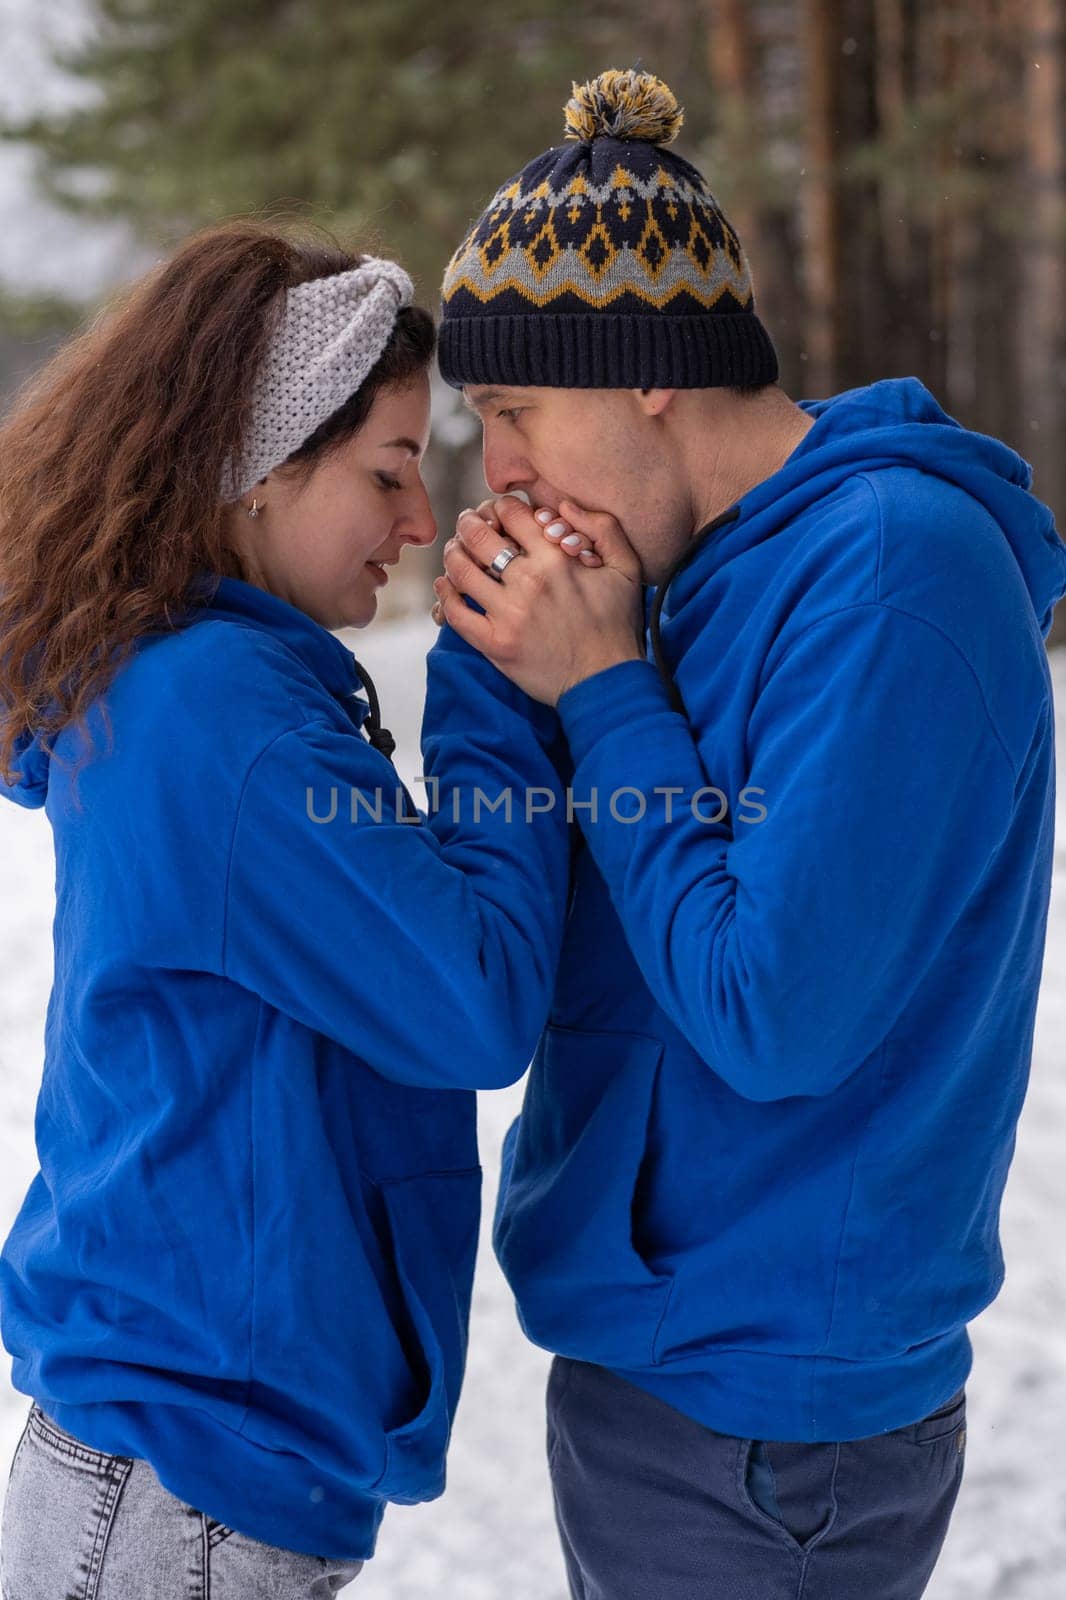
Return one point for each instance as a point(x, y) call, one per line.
point(1042, 332)
point(759, 205)
point(731, 60)
point(1001, 209)
point(863, 332)
point(821, 25)
point(905, 235)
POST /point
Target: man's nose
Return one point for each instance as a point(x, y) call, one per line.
point(505, 472)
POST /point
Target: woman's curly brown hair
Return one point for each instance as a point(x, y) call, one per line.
point(112, 457)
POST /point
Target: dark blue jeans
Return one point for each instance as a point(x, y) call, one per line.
point(651, 1505)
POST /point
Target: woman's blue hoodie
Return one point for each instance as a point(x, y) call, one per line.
point(247, 1256)
point(765, 1137)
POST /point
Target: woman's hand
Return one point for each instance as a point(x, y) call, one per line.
point(555, 528)
point(547, 622)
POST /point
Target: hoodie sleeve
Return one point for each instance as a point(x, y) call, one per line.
point(427, 947)
point(785, 947)
point(30, 765)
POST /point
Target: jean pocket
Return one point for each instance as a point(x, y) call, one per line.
point(803, 1476)
point(946, 1422)
point(215, 1532)
point(434, 1221)
point(759, 1478)
point(559, 1376)
point(58, 1513)
point(55, 1440)
point(564, 1226)
point(241, 1565)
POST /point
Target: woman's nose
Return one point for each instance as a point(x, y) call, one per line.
point(421, 529)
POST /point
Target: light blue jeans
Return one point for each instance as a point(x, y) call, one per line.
point(82, 1525)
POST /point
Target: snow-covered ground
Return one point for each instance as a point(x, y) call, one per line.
point(492, 1533)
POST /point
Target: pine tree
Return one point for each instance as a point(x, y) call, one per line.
point(1043, 325)
point(391, 119)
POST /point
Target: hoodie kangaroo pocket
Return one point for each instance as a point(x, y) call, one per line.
point(433, 1223)
point(563, 1230)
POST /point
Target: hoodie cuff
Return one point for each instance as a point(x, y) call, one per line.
point(616, 697)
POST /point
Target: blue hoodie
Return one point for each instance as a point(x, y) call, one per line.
point(247, 1256)
point(766, 1133)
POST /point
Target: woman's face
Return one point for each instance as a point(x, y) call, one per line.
point(324, 544)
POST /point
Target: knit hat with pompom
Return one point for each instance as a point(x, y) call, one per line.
point(605, 263)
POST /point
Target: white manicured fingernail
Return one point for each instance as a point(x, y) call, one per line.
point(544, 516)
point(588, 552)
point(572, 541)
point(556, 530)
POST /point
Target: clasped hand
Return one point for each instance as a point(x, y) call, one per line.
point(558, 613)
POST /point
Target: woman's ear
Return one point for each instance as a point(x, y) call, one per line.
point(253, 500)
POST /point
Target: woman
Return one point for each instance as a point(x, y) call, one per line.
point(237, 1291)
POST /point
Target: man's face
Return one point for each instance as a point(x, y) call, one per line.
point(595, 446)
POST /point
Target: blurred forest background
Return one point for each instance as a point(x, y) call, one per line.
point(895, 169)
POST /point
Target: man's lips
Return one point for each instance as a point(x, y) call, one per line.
point(379, 566)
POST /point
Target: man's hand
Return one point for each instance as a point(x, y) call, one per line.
point(550, 621)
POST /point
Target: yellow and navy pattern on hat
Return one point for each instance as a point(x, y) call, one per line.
point(609, 225)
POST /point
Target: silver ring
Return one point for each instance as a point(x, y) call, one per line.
point(501, 562)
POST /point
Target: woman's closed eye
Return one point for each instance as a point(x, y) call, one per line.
point(387, 482)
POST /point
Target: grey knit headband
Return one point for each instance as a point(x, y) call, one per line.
point(329, 335)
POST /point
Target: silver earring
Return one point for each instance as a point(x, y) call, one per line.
point(253, 509)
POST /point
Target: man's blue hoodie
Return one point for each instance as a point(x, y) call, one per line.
point(247, 1256)
point(759, 1165)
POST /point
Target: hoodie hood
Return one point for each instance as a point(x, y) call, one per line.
point(895, 423)
point(232, 600)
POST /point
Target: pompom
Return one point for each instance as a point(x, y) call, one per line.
point(623, 105)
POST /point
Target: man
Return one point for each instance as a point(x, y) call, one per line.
point(752, 1199)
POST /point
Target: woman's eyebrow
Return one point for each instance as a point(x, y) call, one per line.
point(402, 444)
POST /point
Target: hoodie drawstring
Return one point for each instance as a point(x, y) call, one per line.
point(378, 736)
point(381, 739)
